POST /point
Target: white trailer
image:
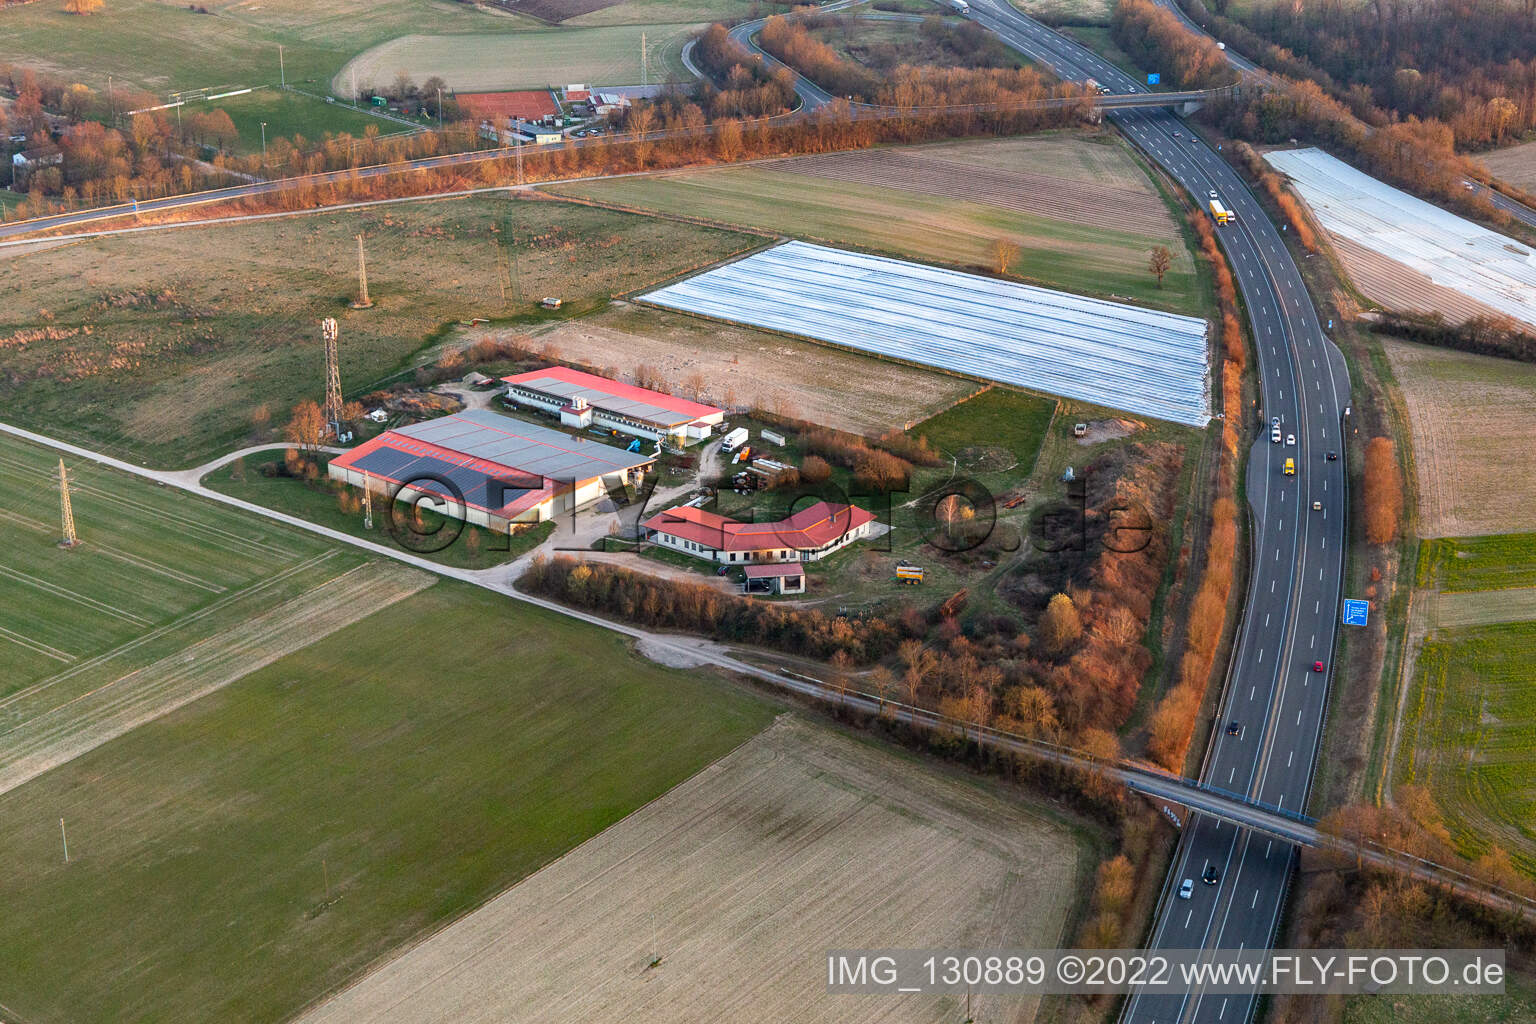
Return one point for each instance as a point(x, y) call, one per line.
point(959, 6)
point(735, 439)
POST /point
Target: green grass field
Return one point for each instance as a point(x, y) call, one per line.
point(1090, 258)
point(1516, 1006)
point(1000, 418)
point(157, 572)
point(162, 346)
point(317, 502)
point(1495, 562)
point(290, 113)
point(160, 46)
point(1469, 733)
point(241, 857)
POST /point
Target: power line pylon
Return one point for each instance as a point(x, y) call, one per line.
point(332, 411)
point(367, 503)
point(363, 301)
point(66, 511)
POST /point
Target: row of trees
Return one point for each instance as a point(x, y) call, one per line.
point(747, 87)
point(1172, 725)
point(1154, 37)
point(700, 608)
point(1487, 336)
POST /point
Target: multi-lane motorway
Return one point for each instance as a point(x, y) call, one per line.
point(1273, 697)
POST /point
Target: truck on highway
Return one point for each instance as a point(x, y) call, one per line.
point(1221, 213)
point(735, 439)
point(960, 6)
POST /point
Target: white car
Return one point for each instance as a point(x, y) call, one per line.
point(1290, 438)
point(1212, 194)
point(1186, 888)
point(1274, 434)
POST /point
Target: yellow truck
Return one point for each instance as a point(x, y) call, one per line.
point(1220, 212)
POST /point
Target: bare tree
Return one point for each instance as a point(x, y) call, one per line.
point(1005, 253)
point(1161, 262)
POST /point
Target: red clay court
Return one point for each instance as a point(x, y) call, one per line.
point(528, 104)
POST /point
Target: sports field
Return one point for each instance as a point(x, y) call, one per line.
point(1469, 734)
point(1473, 420)
point(537, 59)
point(162, 346)
point(872, 203)
point(244, 855)
point(168, 598)
point(736, 883)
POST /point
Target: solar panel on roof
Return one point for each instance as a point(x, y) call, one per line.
point(384, 461)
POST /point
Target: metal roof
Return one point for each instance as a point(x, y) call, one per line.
point(1451, 251)
point(1141, 360)
point(521, 446)
point(613, 396)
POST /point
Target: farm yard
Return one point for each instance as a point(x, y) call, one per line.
point(1037, 200)
point(169, 346)
point(416, 802)
point(1470, 736)
point(1484, 266)
point(1473, 427)
point(167, 599)
point(736, 883)
point(829, 386)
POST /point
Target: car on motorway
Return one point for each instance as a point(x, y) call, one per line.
point(1274, 434)
point(1234, 728)
point(1290, 467)
point(1290, 438)
point(1186, 888)
point(1213, 195)
point(1333, 456)
point(1317, 666)
point(1211, 876)
point(1317, 506)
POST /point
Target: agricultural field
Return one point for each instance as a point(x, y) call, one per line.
point(1492, 562)
point(1473, 427)
point(259, 848)
point(168, 598)
point(913, 202)
point(736, 882)
point(164, 346)
point(1395, 285)
point(605, 55)
point(1469, 734)
point(745, 367)
point(1514, 164)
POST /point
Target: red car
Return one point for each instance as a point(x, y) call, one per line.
point(1317, 666)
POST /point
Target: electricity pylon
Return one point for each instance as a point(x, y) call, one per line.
point(329, 331)
point(66, 511)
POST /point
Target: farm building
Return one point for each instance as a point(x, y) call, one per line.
point(587, 400)
point(504, 471)
point(774, 578)
point(1141, 360)
point(806, 536)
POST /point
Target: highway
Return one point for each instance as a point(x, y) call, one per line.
point(1275, 700)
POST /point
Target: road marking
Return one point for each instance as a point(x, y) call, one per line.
point(1266, 620)
point(1288, 758)
point(1255, 902)
point(1252, 690)
point(1298, 716)
point(1313, 643)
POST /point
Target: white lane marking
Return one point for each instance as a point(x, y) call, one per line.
point(1288, 758)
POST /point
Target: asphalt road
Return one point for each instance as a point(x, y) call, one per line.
point(1275, 698)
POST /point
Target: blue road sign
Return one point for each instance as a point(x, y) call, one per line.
point(1356, 613)
point(1154, 79)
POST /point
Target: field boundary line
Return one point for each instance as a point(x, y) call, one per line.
point(69, 595)
point(36, 646)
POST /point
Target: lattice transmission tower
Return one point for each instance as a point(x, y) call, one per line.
point(66, 511)
point(332, 411)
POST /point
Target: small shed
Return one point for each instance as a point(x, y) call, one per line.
point(775, 578)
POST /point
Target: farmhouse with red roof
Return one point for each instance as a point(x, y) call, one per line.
point(809, 534)
point(586, 400)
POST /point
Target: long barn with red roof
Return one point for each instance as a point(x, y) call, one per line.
point(586, 400)
point(810, 534)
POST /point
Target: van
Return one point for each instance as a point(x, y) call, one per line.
point(1290, 467)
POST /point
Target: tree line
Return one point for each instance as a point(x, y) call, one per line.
point(1154, 37)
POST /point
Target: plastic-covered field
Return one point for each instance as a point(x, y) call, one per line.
point(1452, 252)
point(1142, 361)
